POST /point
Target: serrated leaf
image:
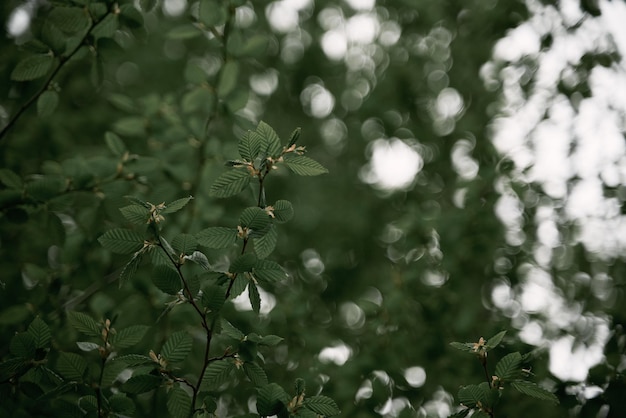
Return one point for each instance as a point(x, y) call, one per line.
point(255, 297)
point(84, 323)
point(71, 366)
point(136, 201)
point(250, 146)
point(129, 336)
point(271, 141)
point(239, 285)
point(106, 27)
point(200, 259)
point(14, 367)
point(467, 347)
point(166, 279)
point(47, 103)
point(130, 16)
point(471, 395)
point(256, 220)
point(230, 183)
point(121, 404)
point(255, 373)
point(23, 345)
point(268, 271)
point(121, 241)
point(130, 268)
point(293, 138)
point(69, 19)
point(283, 211)
point(184, 243)
point(178, 403)
point(217, 237)
point(46, 187)
point(115, 144)
point(216, 374)
point(141, 383)
point(509, 366)
point(137, 215)
point(461, 414)
point(322, 405)
point(227, 79)
point(88, 403)
point(213, 297)
point(264, 245)
point(271, 340)
point(87, 346)
point(40, 332)
point(32, 67)
point(231, 331)
point(534, 390)
point(177, 347)
point(303, 165)
point(177, 205)
point(10, 179)
point(271, 400)
point(243, 263)
point(494, 341)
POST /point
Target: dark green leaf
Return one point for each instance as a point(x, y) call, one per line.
point(133, 360)
point(40, 332)
point(23, 345)
point(177, 205)
point(46, 187)
point(509, 366)
point(130, 16)
point(217, 237)
point(255, 373)
point(250, 146)
point(84, 323)
point(141, 383)
point(131, 267)
point(71, 366)
point(129, 336)
point(243, 263)
point(106, 27)
point(200, 259)
point(135, 214)
point(185, 243)
point(254, 296)
point(212, 13)
point(10, 179)
point(14, 367)
point(467, 347)
point(213, 297)
point(130, 126)
point(256, 220)
point(217, 373)
point(293, 138)
point(322, 405)
point(227, 79)
point(88, 403)
point(494, 341)
point(264, 245)
point(268, 271)
point(121, 404)
point(69, 19)
point(283, 211)
point(166, 279)
point(471, 395)
point(115, 144)
point(534, 390)
point(147, 5)
point(303, 165)
point(178, 403)
point(47, 103)
point(239, 285)
point(230, 330)
point(121, 241)
point(271, 141)
point(271, 400)
point(199, 99)
point(53, 37)
point(177, 347)
point(270, 340)
point(230, 183)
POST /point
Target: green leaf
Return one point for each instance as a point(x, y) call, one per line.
point(47, 103)
point(84, 323)
point(133, 360)
point(509, 366)
point(271, 141)
point(250, 146)
point(217, 373)
point(121, 241)
point(147, 5)
point(217, 237)
point(212, 13)
point(200, 259)
point(130, 268)
point(23, 345)
point(255, 373)
point(471, 395)
point(303, 165)
point(46, 187)
point(264, 245)
point(253, 46)
point(32, 67)
point(14, 367)
point(183, 32)
point(121, 404)
point(230, 183)
point(177, 347)
point(177, 205)
point(178, 403)
point(322, 405)
point(115, 144)
point(10, 179)
point(107, 27)
point(268, 271)
point(53, 37)
point(239, 285)
point(71, 366)
point(227, 79)
point(461, 414)
point(534, 390)
point(213, 297)
point(135, 214)
point(293, 138)
point(185, 243)
point(271, 400)
point(256, 220)
point(494, 341)
point(271, 340)
point(255, 297)
point(141, 383)
point(40, 332)
point(198, 99)
point(230, 330)
point(130, 126)
point(243, 263)
point(69, 19)
point(129, 336)
point(166, 279)
point(283, 211)
point(88, 403)
point(237, 100)
point(130, 16)
point(466, 347)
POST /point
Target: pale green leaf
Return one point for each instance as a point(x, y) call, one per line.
point(303, 165)
point(130, 268)
point(87, 346)
point(271, 141)
point(322, 405)
point(200, 259)
point(227, 79)
point(177, 205)
point(509, 366)
point(182, 32)
point(534, 390)
point(212, 13)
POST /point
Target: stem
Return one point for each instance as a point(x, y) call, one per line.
point(99, 391)
point(62, 61)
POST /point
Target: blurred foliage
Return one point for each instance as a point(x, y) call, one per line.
point(105, 99)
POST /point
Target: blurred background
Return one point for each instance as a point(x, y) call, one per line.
point(477, 177)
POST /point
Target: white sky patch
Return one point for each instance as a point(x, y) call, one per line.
point(335, 44)
point(174, 7)
point(415, 376)
point(362, 28)
point(284, 15)
point(338, 353)
point(317, 101)
point(268, 301)
point(361, 4)
point(19, 21)
point(393, 164)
